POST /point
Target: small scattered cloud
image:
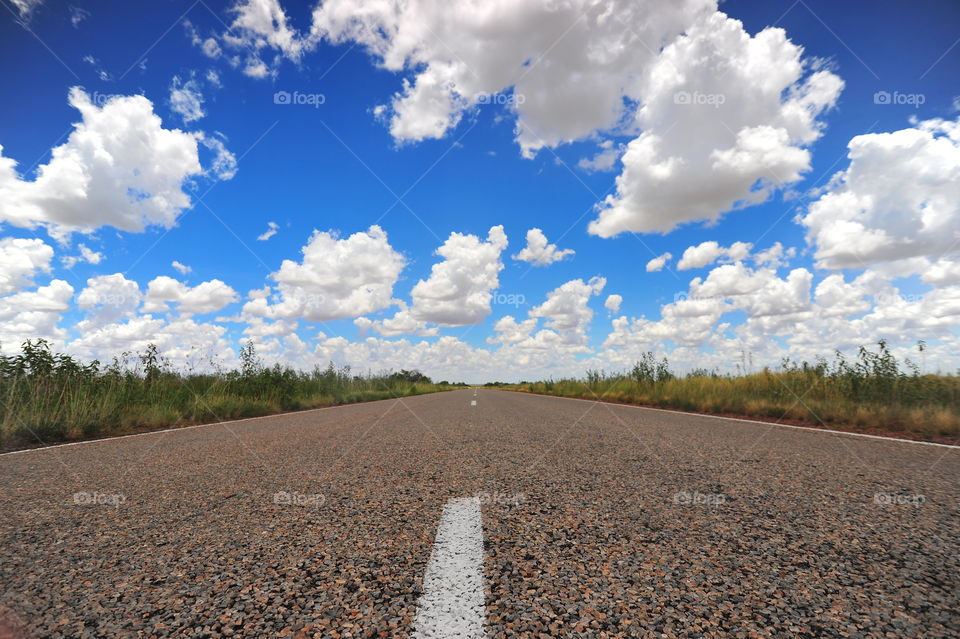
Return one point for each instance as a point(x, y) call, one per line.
point(706, 253)
point(613, 303)
point(270, 232)
point(657, 263)
point(26, 7)
point(78, 15)
point(214, 79)
point(186, 99)
point(211, 48)
point(102, 74)
point(87, 255)
point(605, 159)
point(539, 252)
point(224, 164)
point(183, 269)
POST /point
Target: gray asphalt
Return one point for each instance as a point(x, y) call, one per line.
point(599, 520)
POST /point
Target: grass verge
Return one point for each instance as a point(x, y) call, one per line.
point(48, 398)
point(873, 394)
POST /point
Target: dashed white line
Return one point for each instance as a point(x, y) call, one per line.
point(453, 604)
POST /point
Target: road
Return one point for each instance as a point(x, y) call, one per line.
point(598, 520)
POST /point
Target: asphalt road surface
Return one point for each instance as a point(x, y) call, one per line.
point(540, 517)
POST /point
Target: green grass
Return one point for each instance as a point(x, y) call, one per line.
point(49, 397)
point(874, 392)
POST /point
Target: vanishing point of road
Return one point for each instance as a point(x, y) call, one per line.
point(482, 514)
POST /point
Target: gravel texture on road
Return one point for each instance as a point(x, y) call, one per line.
point(598, 521)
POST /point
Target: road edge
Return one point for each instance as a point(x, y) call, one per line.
point(207, 424)
point(735, 419)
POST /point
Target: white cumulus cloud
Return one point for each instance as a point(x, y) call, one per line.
point(657, 263)
point(613, 303)
point(205, 297)
point(898, 199)
point(20, 261)
point(725, 119)
point(119, 167)
point(458, 291)
point(539, 252)
point(183, 269)
point(706, 253)
point(338, 278)
point(569, 65)
point(28, 315)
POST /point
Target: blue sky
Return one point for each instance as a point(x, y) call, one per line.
point(337, 163)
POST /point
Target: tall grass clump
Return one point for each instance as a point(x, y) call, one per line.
point(47, 396)
point(871, 391)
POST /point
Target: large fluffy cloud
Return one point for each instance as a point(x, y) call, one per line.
point(567, 316)
point(459, 288)
point(898, 199)
point(185, 343)
point(106, 299)
point(725, 118)
point(119, 167)
point(402, 323)
point(20, 260)
point(32, 314)
point(570, 65)
point(337, 278)
point(567, 312)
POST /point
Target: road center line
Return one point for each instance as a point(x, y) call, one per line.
point(453, 602)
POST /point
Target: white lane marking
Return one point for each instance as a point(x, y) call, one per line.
point(473, 402)
point(453, 604)
point(747, 421)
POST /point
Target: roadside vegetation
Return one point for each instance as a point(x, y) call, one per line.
point(50, 397)
point(872, 392)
